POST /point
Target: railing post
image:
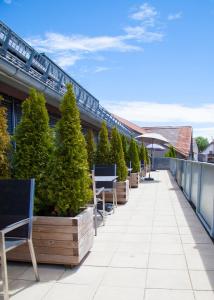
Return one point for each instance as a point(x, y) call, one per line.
point(199, 190)
point(212, 228)
point(190, 182)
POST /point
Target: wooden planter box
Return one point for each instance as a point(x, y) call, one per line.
point(134, 180)
point(122, 189)
point(59, 240)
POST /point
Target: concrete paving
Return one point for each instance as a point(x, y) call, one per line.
point(152, 248)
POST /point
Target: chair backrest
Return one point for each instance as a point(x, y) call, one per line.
point(93, 187)
point(16, 204)
point(105, 170)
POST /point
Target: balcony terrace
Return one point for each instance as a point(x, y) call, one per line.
point(154, 247)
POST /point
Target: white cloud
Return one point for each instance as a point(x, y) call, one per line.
point(7, 1)
point(141, 33)
point(176, 16)
point(58, 42)
point(145, 13)
point(64, 60)
point(101, 69)
point(150, 112)
point(154, 114)
point(67, 49)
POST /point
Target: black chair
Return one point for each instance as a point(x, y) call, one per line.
point(98, 198)
point(16, 217)
point(109, 185)
point(129, 167)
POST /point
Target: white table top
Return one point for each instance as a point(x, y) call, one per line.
point(105, 178)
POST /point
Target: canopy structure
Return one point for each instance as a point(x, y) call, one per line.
point(153, 138)
point(156, 147)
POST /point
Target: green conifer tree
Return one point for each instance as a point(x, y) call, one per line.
point(134, 156)
point(69, 181)
point(125, 147)
point(117, 155)
point(142, 153)
point(147, 159)
point(103, 146)
point(171, 152)
point(33, 140)
point(91, 148)
point(5, 146)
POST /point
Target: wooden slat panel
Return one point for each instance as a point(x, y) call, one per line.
point(54, 228)
point(53, 243)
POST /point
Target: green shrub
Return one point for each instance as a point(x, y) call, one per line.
point(171, 152)
point(69, 181)
point(5, 146)
point(91, 148)
point(33, 141)
point(117, 155)
point(134, 156)
point(103, 146)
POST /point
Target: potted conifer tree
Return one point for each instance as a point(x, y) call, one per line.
point(117, 157)
point(5, 147)
point(63, 228)
point(34, 143)
point(125, 148)
point(103, 146)
point(91, 148)
point(142, 157)
point(134, 158)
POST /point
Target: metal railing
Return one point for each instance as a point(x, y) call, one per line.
point(196, 179)
point(19, 53)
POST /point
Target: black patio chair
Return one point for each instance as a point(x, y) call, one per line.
point(129, 167)
point(16, 217)
point(98, 198)
point(109, 186)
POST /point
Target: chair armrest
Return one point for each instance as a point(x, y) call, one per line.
point(14, 226)
point(99, 191)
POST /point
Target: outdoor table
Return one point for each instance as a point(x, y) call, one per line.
point(108, 179)
point(105, 178)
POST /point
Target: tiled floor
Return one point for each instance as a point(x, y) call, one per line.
point(152, 248)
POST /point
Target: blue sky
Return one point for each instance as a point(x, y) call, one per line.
point(150, 62)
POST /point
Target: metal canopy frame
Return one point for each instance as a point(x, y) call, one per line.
point(14, 50)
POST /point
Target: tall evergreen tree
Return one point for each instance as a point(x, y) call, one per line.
point(69, 181)
point(5, 146)
point(142, 153)
point(91, 148)
point(125, 147)
point(103, 146)
point(117, 155)
point(134, 156)
point(33, 140)
point(171, 152)
point(147, 159)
